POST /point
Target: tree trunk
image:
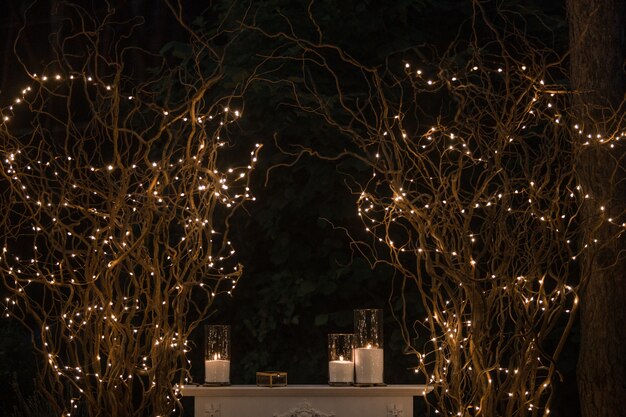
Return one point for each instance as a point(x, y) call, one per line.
point(596, 31)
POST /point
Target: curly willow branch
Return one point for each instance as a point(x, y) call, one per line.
point(115, 210)
point(475, 200)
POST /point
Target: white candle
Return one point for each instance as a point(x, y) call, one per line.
point(368, 363)
point(217, 370)
point(340, 371)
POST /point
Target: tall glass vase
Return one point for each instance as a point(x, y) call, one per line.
point(217, 354)
point(368, 352)
point(340, 359)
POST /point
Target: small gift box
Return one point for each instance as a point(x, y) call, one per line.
point(271, 379)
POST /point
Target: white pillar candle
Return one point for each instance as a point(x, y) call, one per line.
point(217, 370)
point(368, 363)
point(341, 371)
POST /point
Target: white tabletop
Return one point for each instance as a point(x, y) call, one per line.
point(304, 390)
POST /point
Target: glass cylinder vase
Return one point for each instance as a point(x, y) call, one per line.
point(217, 354)
point(340, 359)
point(368, 352)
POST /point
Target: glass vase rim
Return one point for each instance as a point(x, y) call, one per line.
point(217, 325)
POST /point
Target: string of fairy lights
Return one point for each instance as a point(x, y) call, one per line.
point(184, 191)
point(526, 188)
point(394, 207)
point(401, 205)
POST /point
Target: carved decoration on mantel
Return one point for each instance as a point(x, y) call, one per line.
point(304, 410)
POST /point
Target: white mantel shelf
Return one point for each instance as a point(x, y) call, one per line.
point(304, 400)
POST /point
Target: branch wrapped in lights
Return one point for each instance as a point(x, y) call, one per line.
point(475, 200)
point(116, 207)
